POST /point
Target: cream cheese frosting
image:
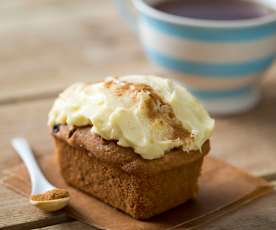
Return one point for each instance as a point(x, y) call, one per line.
point(150, 114)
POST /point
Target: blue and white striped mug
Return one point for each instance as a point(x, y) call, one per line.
point(220, 62)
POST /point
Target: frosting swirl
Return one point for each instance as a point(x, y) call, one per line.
point(152, 115)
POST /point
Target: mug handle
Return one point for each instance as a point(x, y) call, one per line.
point(127, 11)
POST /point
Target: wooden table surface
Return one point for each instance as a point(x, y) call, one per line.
point(48, 44)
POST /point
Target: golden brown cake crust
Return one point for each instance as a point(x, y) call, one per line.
point(123, 179)
point(125, 158)
point(139, 196)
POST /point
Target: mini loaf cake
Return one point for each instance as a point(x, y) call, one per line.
point(136, 142)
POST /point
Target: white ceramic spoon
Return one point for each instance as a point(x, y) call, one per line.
point(40, 185)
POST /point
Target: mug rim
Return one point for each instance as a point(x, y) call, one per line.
point(145, 7)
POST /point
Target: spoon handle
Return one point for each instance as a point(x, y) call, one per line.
point(39, 182)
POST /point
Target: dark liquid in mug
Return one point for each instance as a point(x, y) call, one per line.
point(214, 9)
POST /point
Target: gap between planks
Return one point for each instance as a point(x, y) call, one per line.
point(17, 213)
point(61, 222)
point(56, 220)
point(30, 97)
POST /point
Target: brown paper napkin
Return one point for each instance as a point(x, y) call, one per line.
point(222, 189)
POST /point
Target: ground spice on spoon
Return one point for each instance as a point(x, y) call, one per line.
point(51, 195)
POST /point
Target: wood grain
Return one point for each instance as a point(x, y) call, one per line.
point(17, 213)
point(253, 216)
point(247, 140)
point(258, 215)
point(69, 226)
point(29, 119)
point(46, 45)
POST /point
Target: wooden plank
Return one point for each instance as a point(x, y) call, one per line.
point(46, 45)
point(247, 140)
point(260, 214)
point(28, 120)
point(239, 140)
point(265, 211)
point(69, 226)
point(17, 213)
